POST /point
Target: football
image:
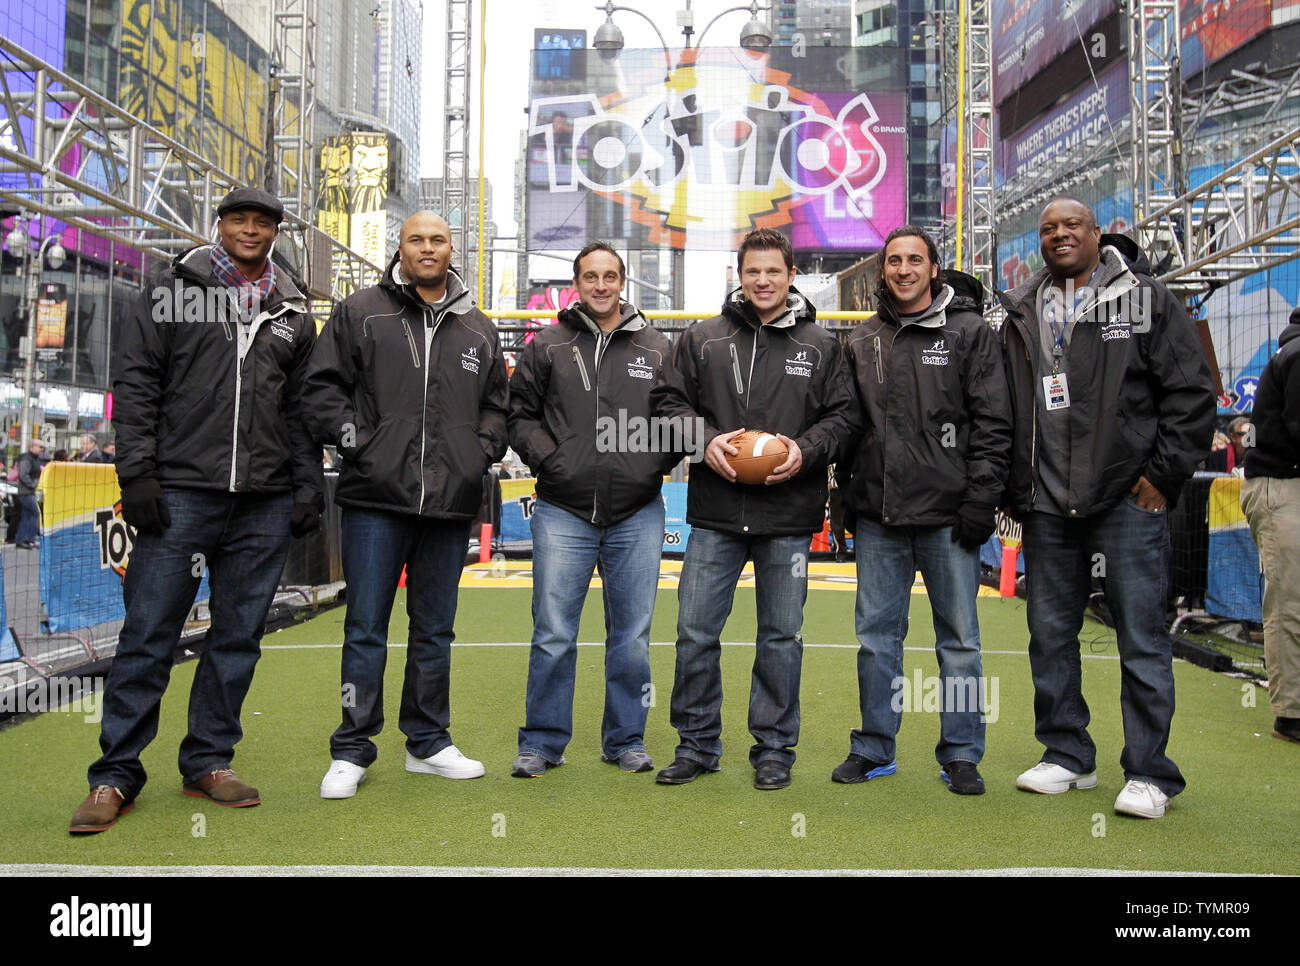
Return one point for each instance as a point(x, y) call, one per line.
point(759, 454)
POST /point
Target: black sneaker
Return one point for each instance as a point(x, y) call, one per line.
point(1288, 729)
point(857, 768)
point(963, 778)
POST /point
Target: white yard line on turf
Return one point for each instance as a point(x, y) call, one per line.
point(313, 647)
point(375, 871)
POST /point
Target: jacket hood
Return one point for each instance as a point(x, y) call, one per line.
point(967, 290)
point(1292, 330)
point(458, 299)
point(1128, 250)
point(576, 318)
point(1115, 266)
point(741, 309)
point(196, 263)
point(934, 315)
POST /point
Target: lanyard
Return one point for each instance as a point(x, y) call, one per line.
point(1052, 302)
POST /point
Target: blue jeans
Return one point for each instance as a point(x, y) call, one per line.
point(243, 540)
point(887, 561)
point(375, 546)
point(565, 549)
point(1060, 554)
point(712, 566)
point(29, 519)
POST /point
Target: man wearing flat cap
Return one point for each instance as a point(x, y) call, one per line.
point(217, 470)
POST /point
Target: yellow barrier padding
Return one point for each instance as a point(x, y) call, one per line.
point(821, 576)
point(514, 489)
point(74, 491)
point(1225, 505)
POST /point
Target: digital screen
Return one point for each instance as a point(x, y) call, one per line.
point(693, 149)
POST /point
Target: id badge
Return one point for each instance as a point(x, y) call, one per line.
point(1056, 390)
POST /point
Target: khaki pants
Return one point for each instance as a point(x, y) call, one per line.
point(1272, 507)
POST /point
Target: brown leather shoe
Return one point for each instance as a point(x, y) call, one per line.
point(99, 811)
point(223, 788)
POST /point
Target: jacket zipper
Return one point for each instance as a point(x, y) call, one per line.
point(601, 342)
point(735, 369)
point(241, 352)
point(753, 351)
point(884, 431)
point(429, 330)
point(1033, 444)
point(410, 340)
point(582, 369)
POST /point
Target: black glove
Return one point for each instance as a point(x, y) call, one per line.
point(144, 508)
point(304, 520)
point(974, 525)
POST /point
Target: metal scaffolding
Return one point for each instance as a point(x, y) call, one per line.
point(981, 212)
point(292, 168)
point(455, 143)
point(75, 156)
point(1243, 221)
point(1240, 222)
point(1155, 107)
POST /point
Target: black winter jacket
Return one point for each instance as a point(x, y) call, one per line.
point(414, 397)
point(577, 397)
point(190, 413)
point(29, 473)
point(1276, 414)
point(785, 377)
point(1141, 399)
point(935, 409)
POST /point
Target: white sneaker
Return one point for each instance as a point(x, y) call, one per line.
point(1142, 800)
point(1048, 779)
point(341, 780)
point(449, 763)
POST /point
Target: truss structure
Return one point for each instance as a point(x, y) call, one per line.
point(291, 176)
point(1155, 92)
point(980, 222)
point(455, 130)
point(71, 154)
point(1243, 221)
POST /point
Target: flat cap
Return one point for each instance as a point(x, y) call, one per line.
point(242, 198)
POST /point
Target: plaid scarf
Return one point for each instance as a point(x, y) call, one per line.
point(249, 296)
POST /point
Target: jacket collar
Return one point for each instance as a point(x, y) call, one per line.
point(934, 317)
point(1114, 278)
point(797, 309)
point(196, 265)
point(457, 300)
point(577, 317)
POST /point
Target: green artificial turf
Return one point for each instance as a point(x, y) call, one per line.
point(1239, 814)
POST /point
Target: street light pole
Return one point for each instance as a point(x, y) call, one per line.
point(31, 304)
point(609, 40)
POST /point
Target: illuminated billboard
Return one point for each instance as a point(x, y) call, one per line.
point(692, 149)
point(1212, 29)
point(1093, 111)
point(354, 186)
point(1030, 34)
point(200, 81)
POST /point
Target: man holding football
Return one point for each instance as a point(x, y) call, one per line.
point(763, 364)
